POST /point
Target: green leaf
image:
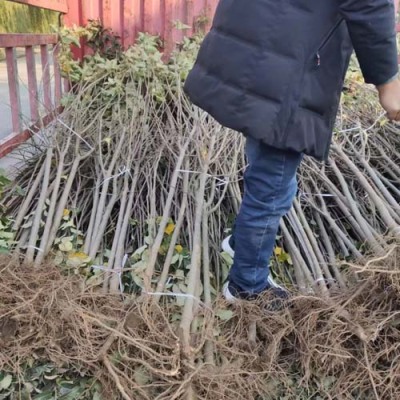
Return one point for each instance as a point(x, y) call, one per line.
point(138, 281)
point(138, 267)
point(227, 258)
point(94, 280)
point(3, 179)
point(181, 26)
point(59, 258)
point(224, 315)
point(175, 258)
point(6, 235)
point(179, 274)
point(182, 287)
point(139, 251)
point(40, 370)
point(5, 383)
point(68, 224)
point(77, 259)
point(73, 394)
point(73, 40)
point(48, 395)
point(66, 245)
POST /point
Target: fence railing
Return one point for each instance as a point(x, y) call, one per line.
point(43, 92)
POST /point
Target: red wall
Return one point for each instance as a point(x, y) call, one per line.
point(128, 17)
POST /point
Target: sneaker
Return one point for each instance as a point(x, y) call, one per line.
point(276, 303)
point(227, 248)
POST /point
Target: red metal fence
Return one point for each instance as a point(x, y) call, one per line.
point(44, 93)
point(47, 98)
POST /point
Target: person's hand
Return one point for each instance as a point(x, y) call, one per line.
point(389, 97)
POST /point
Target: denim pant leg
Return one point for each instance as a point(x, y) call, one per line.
point(270, 185)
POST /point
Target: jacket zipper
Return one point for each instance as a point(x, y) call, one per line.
point(325, 41)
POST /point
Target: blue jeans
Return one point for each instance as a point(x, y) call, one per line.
point(270, 186)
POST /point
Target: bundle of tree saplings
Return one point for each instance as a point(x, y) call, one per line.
point(135, 188)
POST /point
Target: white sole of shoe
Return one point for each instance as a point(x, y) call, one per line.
point(226, 247)
point(274, 284)
point(229, 297)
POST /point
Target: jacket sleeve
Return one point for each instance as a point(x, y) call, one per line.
point(371, 24)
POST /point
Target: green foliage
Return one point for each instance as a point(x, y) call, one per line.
point(137, 263)
point(46, 382)
point(104, 44)
point(103, 41)
point(69, 242)
point(114, 72)
point(6, 231)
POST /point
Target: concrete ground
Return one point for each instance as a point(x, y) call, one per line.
point(12, 162)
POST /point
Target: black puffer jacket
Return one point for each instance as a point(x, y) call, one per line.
point(274, 70)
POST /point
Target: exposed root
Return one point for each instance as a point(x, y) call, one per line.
point(342, 347)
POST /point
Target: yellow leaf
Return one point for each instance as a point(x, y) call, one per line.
point(383, 122)
point(169, 229)
point(66, 212)
point(80, 255)
point(278, 251)
point(179, 248)
point(163, 249)
point(77, 259)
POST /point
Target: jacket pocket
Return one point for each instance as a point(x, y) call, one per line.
point(323, 78)
point(325, 42)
